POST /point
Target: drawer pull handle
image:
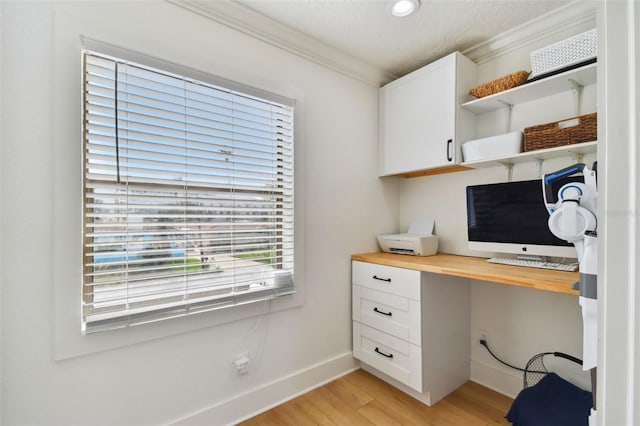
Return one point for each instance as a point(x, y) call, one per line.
point(388, 280)
point(375, 309)
point(382, 353)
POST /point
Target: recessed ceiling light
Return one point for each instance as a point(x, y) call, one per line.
point(405, 7)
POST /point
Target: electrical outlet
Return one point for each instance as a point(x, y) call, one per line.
point(241, 363)
point(483, 335)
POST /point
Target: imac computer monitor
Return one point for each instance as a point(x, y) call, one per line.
point(511, 218)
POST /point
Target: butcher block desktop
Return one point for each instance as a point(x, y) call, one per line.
point(478, 269)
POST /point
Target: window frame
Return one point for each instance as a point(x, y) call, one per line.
point(90, 45)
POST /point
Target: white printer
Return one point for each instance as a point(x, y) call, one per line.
point(418, 241)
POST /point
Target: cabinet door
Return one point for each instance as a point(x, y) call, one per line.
point(418, 119)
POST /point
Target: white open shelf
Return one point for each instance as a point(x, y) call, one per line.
point(541, 154)
point(539, 89)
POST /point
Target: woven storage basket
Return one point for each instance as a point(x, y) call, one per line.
point(500, 84)
point(560, 133)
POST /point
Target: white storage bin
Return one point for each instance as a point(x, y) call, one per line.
point(503, 145)
point(562, 54)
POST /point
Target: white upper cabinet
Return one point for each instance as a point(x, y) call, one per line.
point(421, 122)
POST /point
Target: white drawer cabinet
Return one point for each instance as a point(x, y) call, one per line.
point(411, 328)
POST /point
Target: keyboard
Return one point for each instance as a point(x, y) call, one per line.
point(535, 264)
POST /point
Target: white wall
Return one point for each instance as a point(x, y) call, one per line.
point(520, 322)
point(188, 376)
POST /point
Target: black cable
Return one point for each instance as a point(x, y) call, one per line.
point(486, 345)
point(569, 357)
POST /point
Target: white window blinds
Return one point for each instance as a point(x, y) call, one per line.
point(188, 195)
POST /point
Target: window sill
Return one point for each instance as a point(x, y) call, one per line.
point(71, 342)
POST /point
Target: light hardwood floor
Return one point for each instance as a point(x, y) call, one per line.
point(360, 398)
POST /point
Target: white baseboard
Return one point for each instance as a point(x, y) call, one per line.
point(262, 398)
point(507, 383)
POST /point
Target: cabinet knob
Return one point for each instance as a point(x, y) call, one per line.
point(449, 150)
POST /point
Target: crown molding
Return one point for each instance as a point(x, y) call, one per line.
point(244, 19)
point(568, 19)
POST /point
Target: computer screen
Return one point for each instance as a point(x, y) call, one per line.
point(511, 218)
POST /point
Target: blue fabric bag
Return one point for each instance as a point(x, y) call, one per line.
point(551, 402)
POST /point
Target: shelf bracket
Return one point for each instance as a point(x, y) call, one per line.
point(539, 163)
point(576, 156)
point(577, 91)
point(509, 170)
point(508, 109)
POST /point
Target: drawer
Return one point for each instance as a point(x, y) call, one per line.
point(399, 281)
point(395, 315)
point(392, 356)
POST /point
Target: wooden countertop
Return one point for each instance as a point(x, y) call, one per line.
point(478, 269)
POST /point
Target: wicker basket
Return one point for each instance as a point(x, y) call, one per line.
point(500, 84)
point(573, 130)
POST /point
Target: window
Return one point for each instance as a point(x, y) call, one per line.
point(187, 195)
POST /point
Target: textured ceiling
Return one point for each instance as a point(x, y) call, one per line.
point(366, 30)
